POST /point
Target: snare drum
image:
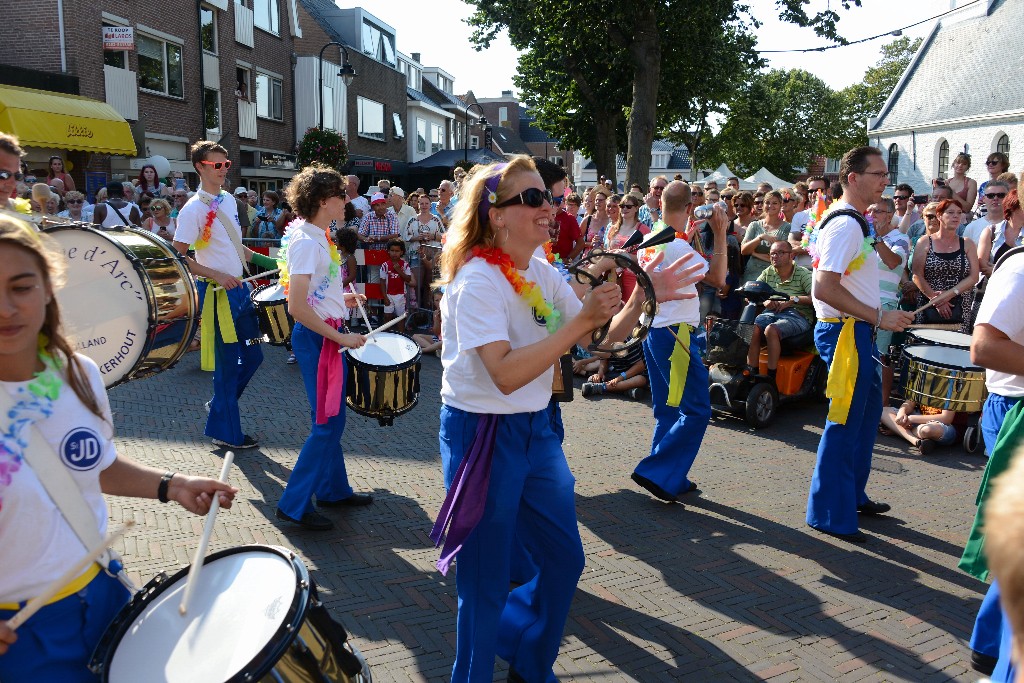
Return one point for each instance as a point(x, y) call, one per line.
point(272, 311)
point(383, 377)
point(253, 616)
point(943, 377)
point(947, 338)
point(129, 303)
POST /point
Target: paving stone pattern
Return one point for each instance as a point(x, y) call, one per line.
point(733, 587)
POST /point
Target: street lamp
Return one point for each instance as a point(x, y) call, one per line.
point(480, 122)
point(347, 73)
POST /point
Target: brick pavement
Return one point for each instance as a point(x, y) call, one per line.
point(733, 587)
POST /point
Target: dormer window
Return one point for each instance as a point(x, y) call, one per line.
point(378, 44)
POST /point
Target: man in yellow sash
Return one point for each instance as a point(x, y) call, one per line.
point(209, 221)
point(672, 351)
point(847, 303)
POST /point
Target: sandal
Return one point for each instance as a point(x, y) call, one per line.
point(925, 446)
point(884, 431)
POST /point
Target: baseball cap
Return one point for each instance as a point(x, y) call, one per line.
point(241, 191)
point(399, 191)
point(377, 197)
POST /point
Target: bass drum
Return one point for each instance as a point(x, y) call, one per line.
point(254, 615)
point(129, 302)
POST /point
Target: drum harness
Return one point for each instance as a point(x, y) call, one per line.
point(68, 498)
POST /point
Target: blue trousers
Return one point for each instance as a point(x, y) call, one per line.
point(1006, 670)
point(56, 644)
point(678, 432)
point(531, 488)
point(236, 364)
point(988, 626)
point(844, 452)
point(320, 468)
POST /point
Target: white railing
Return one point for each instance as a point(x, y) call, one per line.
point(121, 90)
point(246, 119)
point(243, 25)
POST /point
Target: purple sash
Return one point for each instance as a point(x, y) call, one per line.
point(464, 505)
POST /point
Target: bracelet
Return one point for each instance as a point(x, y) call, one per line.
point(717, 253)
point(956, 291)
point(622, 375)
point(161, 490)
point(879, 323)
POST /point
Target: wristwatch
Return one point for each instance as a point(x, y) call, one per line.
point(794, 299)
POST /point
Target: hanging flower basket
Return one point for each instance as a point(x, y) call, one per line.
point(324, 146)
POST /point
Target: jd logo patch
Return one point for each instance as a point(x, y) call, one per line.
point(81, 449)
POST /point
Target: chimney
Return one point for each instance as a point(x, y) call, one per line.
point(415, 57)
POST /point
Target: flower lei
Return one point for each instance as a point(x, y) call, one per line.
point(529, 291)
point(282, 255)
point(207, 231)
point(35, 403)
point(810, 239)
point(550, 254)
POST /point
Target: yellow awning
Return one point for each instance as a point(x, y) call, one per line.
point(46, 119)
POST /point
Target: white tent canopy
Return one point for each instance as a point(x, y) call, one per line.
point(722, 174)
point(763, 175)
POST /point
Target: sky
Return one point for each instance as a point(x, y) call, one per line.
point(437, 31)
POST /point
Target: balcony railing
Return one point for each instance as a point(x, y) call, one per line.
point(122, 92)
point(243, 25)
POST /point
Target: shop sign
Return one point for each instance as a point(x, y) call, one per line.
point(362, 163)
point(277, 160)
point(382, 166)
point(118, 38)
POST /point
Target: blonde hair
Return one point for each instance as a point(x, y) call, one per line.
point(1004, 536)
point(50, 260)
point(638, 199)
point(467, 228)
point(160, 203)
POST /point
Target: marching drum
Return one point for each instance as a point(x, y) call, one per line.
point(943, 377)
point(129, 302)
point(253, 616)
point(947, 338)
point(383, 377)
point(272, 311)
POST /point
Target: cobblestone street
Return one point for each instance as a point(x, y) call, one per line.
point(733, 587)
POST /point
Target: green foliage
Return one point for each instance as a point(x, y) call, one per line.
point(324, 146)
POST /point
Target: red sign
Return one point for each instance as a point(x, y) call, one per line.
point(382, 166)
point(118, 38)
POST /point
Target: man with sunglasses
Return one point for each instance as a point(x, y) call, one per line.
point(209, 221)
point(10, 174)
point(903, 198)
point(650, 212)
point(993, 196)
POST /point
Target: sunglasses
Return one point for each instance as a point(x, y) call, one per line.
point(531, 197)
point(7, 175)
point(992, 162)
point(788, 200)
point(217, 165)
point(930, 217)
point(72, 201)
point(659, 188)
point(901, 198)
point(699, 194)
point(995, 195)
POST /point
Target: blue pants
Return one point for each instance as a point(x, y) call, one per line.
point(56, 644)
point(844, 452)
point(1005, 671)
point(988, 626)
point(236, 364)
point(531, 488)
point(320, 468)
point(678, 432)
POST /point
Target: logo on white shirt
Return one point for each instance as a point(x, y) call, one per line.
point(81, 449)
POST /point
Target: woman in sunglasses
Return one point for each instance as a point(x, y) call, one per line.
point(995, 164)
point(75, 203)
point(506, 318)
point(622, 230)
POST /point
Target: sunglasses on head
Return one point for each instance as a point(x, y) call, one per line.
point(531, 197)
point(7, 175)
point(995, 195)
point(217, 165)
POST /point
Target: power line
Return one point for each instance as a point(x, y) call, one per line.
point(896, 32)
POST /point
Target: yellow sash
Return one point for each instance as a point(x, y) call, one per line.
point(71, 588)
point(216, 311)
point(842, 374)
point(679, 366)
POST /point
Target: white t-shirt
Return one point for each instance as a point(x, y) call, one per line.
point(479, 307)
point(38, 544)
point(360, 204)
point(309, 254)
point(974, 229)
point(220, 254)
point(838, 244)
point(685, 310)
point(1003, 309)
point(796, 229)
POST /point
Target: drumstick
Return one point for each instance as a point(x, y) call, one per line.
point(390, 323)
point(211, 516)
point(33, 605)
point(362, 311)
point(255, 277)
point(941, 298)
point(681, 344)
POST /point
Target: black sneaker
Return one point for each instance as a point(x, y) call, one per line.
point(983, 663)
point(653, 488)
point(355, 500)
point(313, 521)
point(247, 442)
point(638, 393)
point(587, 389)
point(873, 508)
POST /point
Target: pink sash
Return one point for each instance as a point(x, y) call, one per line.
point(330, 377)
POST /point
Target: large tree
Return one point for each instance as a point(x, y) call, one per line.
point(660, 41)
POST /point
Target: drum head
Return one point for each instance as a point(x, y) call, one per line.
point(386, 349)
point(942, 338)
point(241, 605)
point(104, 303)
point(274, 292)
point(943, 356)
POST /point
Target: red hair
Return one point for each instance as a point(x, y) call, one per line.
point(142, 179)
point(945, 204)
point(1011, 203)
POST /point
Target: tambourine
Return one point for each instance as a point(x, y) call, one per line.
point(622, 259)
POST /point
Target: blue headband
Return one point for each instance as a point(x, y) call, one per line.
point(490, 193)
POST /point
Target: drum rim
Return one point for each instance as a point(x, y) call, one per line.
point(378, 368)
point(259, 288)
point(139, 267)
point(912, 358)
point(261, 663)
